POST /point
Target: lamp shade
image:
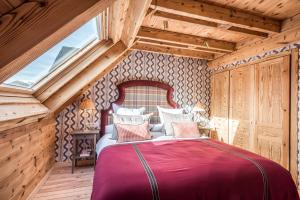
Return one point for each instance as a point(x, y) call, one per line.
point(198, 107)
point(87, 104)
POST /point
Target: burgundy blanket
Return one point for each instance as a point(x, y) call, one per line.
point(188, 170)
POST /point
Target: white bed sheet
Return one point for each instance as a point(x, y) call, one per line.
point(106, 141)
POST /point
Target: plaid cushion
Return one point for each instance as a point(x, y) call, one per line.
point(148, 97)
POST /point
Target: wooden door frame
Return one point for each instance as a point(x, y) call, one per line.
point(294, 61)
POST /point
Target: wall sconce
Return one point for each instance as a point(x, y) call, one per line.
point(88, 106)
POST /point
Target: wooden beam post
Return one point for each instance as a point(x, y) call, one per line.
point(118, 12)
point(136, 13)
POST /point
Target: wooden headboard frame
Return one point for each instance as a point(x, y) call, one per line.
point(121, 89)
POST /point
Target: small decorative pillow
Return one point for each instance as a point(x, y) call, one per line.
point(129, 133)
point(130, 120)
point(170, 118)
point(185, 129)
point(157, 127)
point(168, 110)
point(127, 111)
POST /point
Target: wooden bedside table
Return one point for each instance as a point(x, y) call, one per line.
point(205, 131)
point(79, 135)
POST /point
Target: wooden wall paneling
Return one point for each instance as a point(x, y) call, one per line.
point(294, 115)
point(27, 153)
point(241, 107)
point(16, 109)
point(220, 14)
point(272, 101)
point(220, 105)
point(19, 25)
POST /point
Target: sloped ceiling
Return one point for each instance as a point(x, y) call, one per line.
point(34, 15)
point(29, 28)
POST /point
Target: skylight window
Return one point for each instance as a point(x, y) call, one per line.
point(55, 57)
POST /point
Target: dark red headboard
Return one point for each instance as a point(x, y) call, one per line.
point(121, 89)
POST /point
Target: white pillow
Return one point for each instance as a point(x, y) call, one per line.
point(109, 129)
point(156, 127)
point(130, 120)
point(168, 110)
point(170, 118)
point(127, 111)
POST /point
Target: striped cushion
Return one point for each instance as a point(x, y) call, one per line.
point(128, 133)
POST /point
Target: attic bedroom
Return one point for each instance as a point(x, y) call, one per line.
point(149, 99)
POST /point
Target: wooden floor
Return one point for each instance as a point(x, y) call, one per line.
point(62, 184)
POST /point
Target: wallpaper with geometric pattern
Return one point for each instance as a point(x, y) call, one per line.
point(189, 77)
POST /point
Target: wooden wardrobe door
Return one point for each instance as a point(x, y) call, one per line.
point(241, 107)
point(220, 104)
point(272, 109)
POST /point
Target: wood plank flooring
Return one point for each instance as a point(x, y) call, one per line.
point(62, 184)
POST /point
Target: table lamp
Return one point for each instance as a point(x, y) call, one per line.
point(86, 106)
point(197, 110)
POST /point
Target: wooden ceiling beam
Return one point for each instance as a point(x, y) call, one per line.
point(32, 28)
point(180, 46)
point(290, 35)
point(173, 51)
point(136, 13)
point(223, 15)
point(118, 12)
point(93, 72)
point(191, 20)
point(185, 39)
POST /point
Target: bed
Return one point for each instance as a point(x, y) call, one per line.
point(166, 168)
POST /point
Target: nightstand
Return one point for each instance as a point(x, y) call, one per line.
point(84, 154)
point(205, 131)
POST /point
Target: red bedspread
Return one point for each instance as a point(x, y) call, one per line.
point(188, 170)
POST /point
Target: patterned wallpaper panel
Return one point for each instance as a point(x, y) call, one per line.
point(189, 77)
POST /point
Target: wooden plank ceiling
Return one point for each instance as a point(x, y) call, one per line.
point(216, 30)
point(210, 29)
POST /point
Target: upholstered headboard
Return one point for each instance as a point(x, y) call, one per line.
point(141, 93)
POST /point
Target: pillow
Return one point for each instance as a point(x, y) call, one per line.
point(185, 129)
point(129, 119)
point(168, 110)
point(128, 111)
point(157, 127)
point(109, 128)
point(156, 134)
point(170, 118)
point(129, 132)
